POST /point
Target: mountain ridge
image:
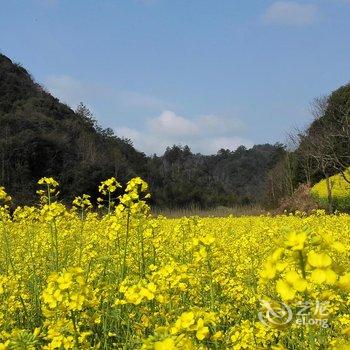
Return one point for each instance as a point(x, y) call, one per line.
point(41, 136)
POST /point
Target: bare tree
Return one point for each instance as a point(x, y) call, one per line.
point(303, 152)
point(325, 146)
point(338, 139)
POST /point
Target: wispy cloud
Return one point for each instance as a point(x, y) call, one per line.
point(205, 134)
point(135, 99)
point(291, 13)
point(73, 91)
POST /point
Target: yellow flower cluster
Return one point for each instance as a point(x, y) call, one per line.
point(109, 186)
point(49, 190)
point(4, 197)
point(74, 279)
point(66, 291)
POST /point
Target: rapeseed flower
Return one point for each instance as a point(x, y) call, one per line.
point(71, 278)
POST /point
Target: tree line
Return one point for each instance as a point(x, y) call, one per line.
point(319, 151)
point(40, 136)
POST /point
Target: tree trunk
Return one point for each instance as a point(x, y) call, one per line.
point(329, 194)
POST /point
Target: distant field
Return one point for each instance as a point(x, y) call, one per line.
point(70, 279)
point(216, 212)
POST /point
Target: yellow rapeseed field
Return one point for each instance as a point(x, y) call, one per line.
point(75, 279)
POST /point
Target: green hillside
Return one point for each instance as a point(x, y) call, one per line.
point(40, 136)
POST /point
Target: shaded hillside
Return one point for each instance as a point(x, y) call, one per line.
point(180, 178)
point(39, 136)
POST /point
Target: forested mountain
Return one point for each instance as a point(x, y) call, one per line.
point(236, 177)
point(40, 136)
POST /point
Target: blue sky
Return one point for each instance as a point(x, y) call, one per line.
point(206, 73)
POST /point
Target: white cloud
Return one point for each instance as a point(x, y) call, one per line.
point(204, 134)
point(168, 123)
point(291, 13)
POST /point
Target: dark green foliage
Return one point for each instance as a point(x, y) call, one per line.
point(39, 136)
point(180, 178)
